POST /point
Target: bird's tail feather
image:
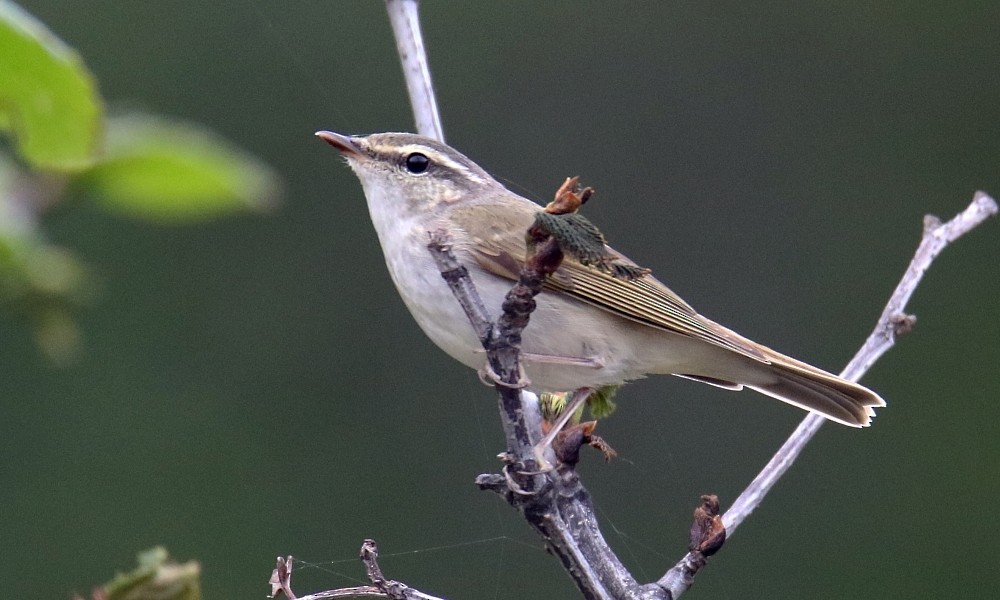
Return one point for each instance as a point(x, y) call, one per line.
point(817, 391)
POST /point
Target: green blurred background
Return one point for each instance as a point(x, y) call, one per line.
point(254, 387)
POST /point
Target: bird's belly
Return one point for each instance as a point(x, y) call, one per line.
point(566, 345)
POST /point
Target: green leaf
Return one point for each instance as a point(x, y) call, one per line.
point(48, 99)
point(43, 285)
point(167, 171)
point(581, 239)
point(601, 401)
point(156, 578)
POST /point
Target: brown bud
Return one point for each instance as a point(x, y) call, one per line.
point(707, 532)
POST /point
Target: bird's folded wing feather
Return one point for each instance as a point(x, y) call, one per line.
point(644, 300)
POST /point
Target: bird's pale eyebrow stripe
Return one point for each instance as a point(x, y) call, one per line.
point(435, 155)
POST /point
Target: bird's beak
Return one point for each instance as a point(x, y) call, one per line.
point(347, 145)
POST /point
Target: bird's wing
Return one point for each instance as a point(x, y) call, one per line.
point(501, 251)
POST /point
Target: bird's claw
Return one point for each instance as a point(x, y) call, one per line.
point(489, 377)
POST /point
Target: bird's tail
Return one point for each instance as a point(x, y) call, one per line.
point(815, 390)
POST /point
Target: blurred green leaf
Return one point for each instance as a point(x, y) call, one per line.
point(39, 282)
point(48, 98)
point(167, 171)
point(601, 401)
point(44, 284)
point(155, 579)
point(58, 336)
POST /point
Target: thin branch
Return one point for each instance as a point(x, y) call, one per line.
point(893, 323)
point(936, 238)
point(403, 14)
point(554, 502)
point(366, 591)
point(457, 277)
point(281, 581)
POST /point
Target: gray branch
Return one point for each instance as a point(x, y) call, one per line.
point(893, 323)
point(281, 582)
point(554, 502)
point(403, 14)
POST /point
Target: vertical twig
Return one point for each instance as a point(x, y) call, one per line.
point(412, 56)
point(554, 502)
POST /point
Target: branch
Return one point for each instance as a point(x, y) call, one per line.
point(893, 323)
point(281, 582)
point(554, 502)
point(413, 58)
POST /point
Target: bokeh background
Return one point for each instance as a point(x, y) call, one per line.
point(254, 387)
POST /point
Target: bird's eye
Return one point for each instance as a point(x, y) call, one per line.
point(417, 163)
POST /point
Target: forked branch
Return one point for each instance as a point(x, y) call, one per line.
point(281, 582)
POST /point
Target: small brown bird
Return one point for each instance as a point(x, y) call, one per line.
point(590, 328)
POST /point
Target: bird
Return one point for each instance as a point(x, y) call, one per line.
point(590, 329)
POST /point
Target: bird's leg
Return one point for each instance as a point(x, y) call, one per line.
point(590, 362)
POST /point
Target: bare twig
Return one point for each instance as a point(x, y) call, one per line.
point(891, 324)
point(457, 277)
point(281, 578)
point(554, 502)
point(281, 581)
point(936, 237)
point(413, 57)
point(505, 369)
